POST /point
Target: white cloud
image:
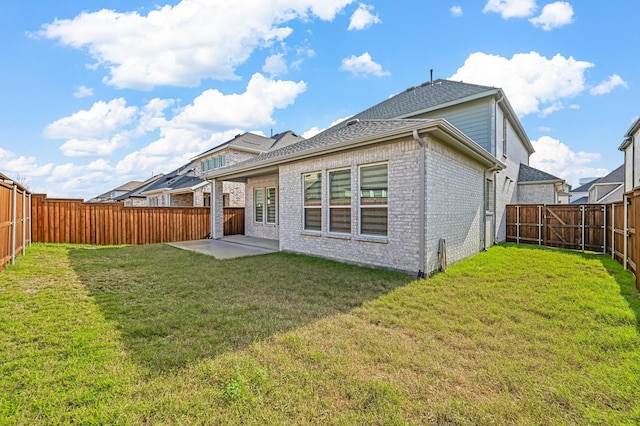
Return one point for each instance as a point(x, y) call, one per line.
point(93, 147)
point(362, 18)
point(555, 157)
point(14, 166)
point(554, 15)
point(253, 108)
point(83, 92)
point(100, 121)
point(315, 129)
point(363, 66)
point(456, 11)
point(531, 81)
point(275, 65)
point(511, 8)
point(608, 85)
point(182, 44)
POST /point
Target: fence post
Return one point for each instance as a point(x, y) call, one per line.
point(582, 214)
point(604, 230)
point(30, 220)
point(24, 222)
point(626, 232)
point(540, 225)
point(14, 213)
point(613, 231)
point(517, 224)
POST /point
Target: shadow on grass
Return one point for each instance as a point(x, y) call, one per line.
point(174, 307)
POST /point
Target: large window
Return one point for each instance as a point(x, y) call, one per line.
point(312, 184)
point(259, 204)
point(223, 160)
point(215, 162)
point(340, 201)
point(271, 205)
point(373, 200)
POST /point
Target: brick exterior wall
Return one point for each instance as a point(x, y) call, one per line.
point(182, 200)
point(455, 207)
point(543, 193)
point(260, 229)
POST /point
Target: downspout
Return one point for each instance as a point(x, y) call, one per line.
point(422, 235)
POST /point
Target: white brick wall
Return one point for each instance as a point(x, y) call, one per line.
point(455, 207)
point(251, 227)
point(537, 193)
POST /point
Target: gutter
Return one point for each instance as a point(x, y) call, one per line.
point(422, 234)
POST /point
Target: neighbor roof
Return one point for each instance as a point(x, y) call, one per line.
point(530, 174)
point(616, 176)
point(247, 142)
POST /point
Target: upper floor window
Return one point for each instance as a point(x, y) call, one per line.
point(373, 200)
point(215, 162)
point(223, 160)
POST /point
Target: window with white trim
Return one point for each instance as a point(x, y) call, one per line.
point(374, 206)
point(259, 205)
point(271, 205)
point(340, 201)
point(215, 162)
point(223, 160)
point(312, 189)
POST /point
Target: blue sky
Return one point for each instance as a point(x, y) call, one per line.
point(97, 93)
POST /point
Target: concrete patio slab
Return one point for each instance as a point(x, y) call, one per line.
point(230, 246)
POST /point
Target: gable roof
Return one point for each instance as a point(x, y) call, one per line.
point(253, 143)
point(628, 137)
point(616, 176)
point(528, 174)
point(585, 187)
point(360, 133)
point(425, 97)
point(137, 192)
point(436, 95)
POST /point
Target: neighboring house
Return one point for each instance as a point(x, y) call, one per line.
point(608, 189)
point(631, 148)
point(110, 196)
point(175, 189)
point(242, 147)
point(580, 195)
point(538, 187)
point(425, 172)
point(134, 198)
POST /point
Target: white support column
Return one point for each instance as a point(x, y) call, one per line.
point(217, 211)
point(14, 223)
point(24, 222)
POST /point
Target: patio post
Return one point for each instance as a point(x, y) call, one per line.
point(217, 210)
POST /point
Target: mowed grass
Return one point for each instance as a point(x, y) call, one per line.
point(154, 335)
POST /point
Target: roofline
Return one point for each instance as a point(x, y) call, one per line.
point(223, 146)
point(539, 182)
point(634, 128)
point(441, 128)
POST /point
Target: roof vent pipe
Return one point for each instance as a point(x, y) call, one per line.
point(431, 72)
point(352, 121)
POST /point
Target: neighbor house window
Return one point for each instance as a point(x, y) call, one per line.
point(209, 163)
point(215, 162)
point(206, 200)
point(340, 201)
point(223, 160)
point(271, 205)
point(259, 204)
point(312, 184)
point(373, 200)
point(203, 166)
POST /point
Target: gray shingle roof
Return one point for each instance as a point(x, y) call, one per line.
point(531, 174)
point(243, 141)
point(352, 132)
point(585, 187)
point(616, 176)
point(421, 98)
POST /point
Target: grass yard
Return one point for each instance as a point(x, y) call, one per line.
point(157, 335)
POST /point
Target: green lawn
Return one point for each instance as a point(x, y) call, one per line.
point(156, 335)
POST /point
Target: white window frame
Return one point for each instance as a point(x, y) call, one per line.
point(275, 205)
point(305, 207)
point(255, 205)
point(365, 206)
point(347, 205)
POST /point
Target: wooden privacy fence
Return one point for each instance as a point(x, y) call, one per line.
point(571, 226)
point(73, 221)
point(15, 220)
point(233, 219)
point(605, 228)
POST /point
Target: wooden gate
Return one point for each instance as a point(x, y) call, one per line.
point(570, 226)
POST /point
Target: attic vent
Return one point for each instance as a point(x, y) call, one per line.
point(352, 121)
